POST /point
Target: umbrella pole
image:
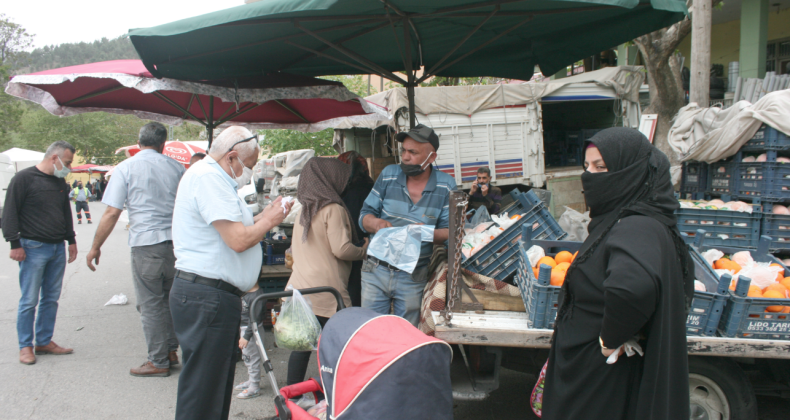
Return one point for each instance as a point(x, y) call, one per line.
point(410, 76)
point(210, 122)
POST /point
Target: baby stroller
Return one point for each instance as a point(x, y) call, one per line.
point(372, 366)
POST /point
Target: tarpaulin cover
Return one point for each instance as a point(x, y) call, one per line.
point(712, 134)
point(381, 367)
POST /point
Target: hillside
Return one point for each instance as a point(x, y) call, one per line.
point(63, 55)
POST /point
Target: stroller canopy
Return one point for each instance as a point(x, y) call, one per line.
point(380, 366)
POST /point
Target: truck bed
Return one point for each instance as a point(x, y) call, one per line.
point(509, 329)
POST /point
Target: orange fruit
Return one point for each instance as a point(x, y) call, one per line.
point(535, 271)
point(563, 266)
point(779, 287)
point(720, 263)
point(786, 310)
point(575, 254)
point(773, 294)
point(557, 276)
point(732, 285)
point(548, 261)
point(755, 292)
point(785, 282)
point(563, 256)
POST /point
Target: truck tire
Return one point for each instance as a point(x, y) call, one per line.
point(720, 390)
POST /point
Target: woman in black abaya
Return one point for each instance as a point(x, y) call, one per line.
point(632, 278)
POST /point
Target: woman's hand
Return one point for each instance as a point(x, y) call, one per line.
point(608, 352)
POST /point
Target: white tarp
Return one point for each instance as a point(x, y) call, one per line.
point(23, 158)
point(467, 100)
point(712, 134)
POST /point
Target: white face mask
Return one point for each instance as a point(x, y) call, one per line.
point(244, 178)
point(63, 171)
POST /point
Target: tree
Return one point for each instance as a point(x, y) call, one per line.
point(663, 66)
point(14, 39)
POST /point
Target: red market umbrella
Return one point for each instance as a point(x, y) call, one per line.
point(276, 100)
point(177, 150)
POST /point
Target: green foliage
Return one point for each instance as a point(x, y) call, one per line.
point(278, 141)
point(461, 81)
point(54, 56)
point(10, 108)
point(14, 40)
point(188, 132)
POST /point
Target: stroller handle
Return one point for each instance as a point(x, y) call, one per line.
point(288, 293)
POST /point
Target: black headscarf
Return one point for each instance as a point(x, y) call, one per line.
point(637, 182)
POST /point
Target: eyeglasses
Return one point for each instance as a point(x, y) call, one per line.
point(242, 141)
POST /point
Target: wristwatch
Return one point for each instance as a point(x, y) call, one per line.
point(600, 340)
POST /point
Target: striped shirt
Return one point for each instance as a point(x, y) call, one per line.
point(389, 200)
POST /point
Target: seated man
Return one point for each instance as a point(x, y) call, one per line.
point(410, 193)
point(485, 194)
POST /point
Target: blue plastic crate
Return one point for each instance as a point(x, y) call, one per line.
point(776, 226)
point(497, 258)
point(721, 178)
point(540, 297)
point(767, 138)
point(706, 307)
point(269, 257)
point(745, 317)
point(768, 181)
point(694, 179)
point(514, 207)
point(741, 229)
point(273, 286)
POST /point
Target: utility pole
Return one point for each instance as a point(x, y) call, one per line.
point(699, 85)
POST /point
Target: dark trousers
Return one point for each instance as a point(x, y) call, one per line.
point(297, 363)
point(206, 322)
point(80, 206)
point(355, 283)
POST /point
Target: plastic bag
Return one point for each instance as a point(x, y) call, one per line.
point(535, 254)
point(712, 255)
point(119, 299)
point(289, 259)
point(297, 328)
point(296, 210)
point(762, 274)
point(294, 161)
point(400, 246)
point(318, 411)
point(481, 216)
point(575, 224)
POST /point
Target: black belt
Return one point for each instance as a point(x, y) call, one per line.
point(377, 261)
point(219, 284)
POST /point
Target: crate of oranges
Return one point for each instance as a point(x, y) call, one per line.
point(540, 285)
point(753, 311)
point(710, 298)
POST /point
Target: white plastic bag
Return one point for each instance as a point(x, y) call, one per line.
point(400, 246)
point(575, 224)
point(535, 254)
point(631, 348)
point(119, 299)
point(481, 216)
point(761, 274)
point(297, 328)
point(296, 210)
point(712, 255)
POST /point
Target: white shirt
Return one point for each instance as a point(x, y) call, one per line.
point(147, 183)
point(207, 194)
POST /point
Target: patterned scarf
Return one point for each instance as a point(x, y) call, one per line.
point(321, 182)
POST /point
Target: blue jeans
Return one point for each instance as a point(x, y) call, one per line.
point(40, 278)
point(382, 287)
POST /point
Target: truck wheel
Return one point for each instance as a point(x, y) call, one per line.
point(719, 390)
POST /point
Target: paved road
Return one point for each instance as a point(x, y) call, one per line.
point(94, 382)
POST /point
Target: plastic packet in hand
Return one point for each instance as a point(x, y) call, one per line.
point(297, 328)
point(400, 246)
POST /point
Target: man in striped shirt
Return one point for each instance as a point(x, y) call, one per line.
point(410, 193)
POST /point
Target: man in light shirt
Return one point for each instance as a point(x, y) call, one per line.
point(218, 252)
point(147, 183)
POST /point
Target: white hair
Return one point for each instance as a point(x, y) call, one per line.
point(229, 136)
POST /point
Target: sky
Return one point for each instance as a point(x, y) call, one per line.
point(55, 22)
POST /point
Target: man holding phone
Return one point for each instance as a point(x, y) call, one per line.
point(483, 193)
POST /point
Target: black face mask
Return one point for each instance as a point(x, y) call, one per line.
point(414, 170)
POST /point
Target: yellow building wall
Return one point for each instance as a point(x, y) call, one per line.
point(725, 41)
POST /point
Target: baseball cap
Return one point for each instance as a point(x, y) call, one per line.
point(420, 133)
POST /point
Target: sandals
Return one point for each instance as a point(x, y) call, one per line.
point(248, 393)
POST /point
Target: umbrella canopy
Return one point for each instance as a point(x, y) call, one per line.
point(89, 167)
point(453, 38)
point(21, 155)
point(126, 87)
point(180, 151)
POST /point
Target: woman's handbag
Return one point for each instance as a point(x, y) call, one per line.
point(536, 399)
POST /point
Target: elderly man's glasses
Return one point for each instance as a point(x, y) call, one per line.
point(242, 141)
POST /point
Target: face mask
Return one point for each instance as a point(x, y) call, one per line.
point(414, 170)
point(244, 178)
point(63, 171)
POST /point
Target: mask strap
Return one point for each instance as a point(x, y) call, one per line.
point(426, 159)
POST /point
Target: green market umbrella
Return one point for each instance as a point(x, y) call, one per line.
point(450, 38)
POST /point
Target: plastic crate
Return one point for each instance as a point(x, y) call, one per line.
point(694, 179)
point(707, 307)
point(777, 227)
point(768, 181)
point(514, 206)
point(721, 178)
point(271, 286)
point(269, 257)
point(741, 229)
point(497, 258)
point(540, 297)
point(767, 138)
point(279, 246)
point(745, 317)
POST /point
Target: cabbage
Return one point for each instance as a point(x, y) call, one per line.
point(297, 328)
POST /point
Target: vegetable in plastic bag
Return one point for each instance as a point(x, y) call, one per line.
point(297, 328)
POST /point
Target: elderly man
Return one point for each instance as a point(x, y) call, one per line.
point(217, 245)
point(147, 183)
point(409, 193)
point(37, 220)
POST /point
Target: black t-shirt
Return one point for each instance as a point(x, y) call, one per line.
point(37, 207)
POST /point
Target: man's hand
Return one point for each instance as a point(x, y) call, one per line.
point(72, 252)
point(18, 254)
point(381, 224)
point(484, 190)
point(474, 188)
point(242, 343)
point(274, 211)
point(93, 255)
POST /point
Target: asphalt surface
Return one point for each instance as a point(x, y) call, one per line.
point(94, 382)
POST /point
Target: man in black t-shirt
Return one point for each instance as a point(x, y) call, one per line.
point(37, 221)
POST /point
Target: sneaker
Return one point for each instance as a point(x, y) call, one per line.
point(242, 386)
point(79, 222)
point(89, 222)
point(249, 393)
point(305, 401)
